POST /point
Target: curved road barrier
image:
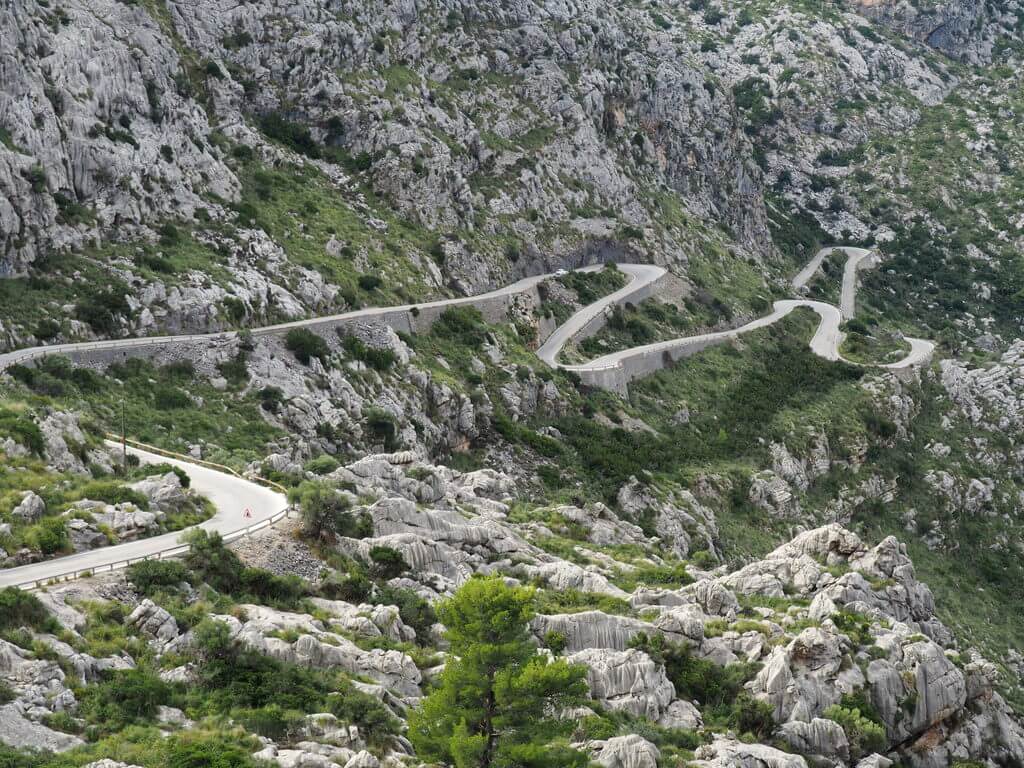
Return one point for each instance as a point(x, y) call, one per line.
point(614, 371)
point(230, 494)
point(266, 501)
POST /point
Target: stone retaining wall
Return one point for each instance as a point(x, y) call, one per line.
point(495, 309)
point(169, 349)
point(645, 362)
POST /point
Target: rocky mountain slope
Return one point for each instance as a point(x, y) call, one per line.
point(759, 558)
point(207, 170)
point(833, 644)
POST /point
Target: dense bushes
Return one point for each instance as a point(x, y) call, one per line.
point(48, 536)
point(101, 310)
point(123, 698)
point(357, 587)
point(52, 375)
point(750, 715)
point(379, 359)
point(387, 563)
point(219, 567)
point(23, 609)
point(732, 398)
point(21, 428)
point(266, 694)
point(293, 135)
point(306, 345)
point(325, 513)
point(462, 325)
point(591, 286)
point(149, 576)
point(698, 679)
point(864, 735)
point(382, 427)
point(112, 492)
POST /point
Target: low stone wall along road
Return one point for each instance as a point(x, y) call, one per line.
point(230, 495)
point(613, 371)
point(233, 495)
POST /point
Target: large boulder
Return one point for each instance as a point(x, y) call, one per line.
point(591, 629)
point(629, 751)
point(729, 753)
point(627, 681)
point(316, 647)
point(817, 737)
point(30, 509)
point(164, 492)
point(153, 621)
point(368, 620)
point(799, 680)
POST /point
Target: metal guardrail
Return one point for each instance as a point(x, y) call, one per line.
point(199, 462)
point(177, 549)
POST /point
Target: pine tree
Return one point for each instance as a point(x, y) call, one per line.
point(498, 700)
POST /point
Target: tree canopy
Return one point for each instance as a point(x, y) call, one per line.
point(498, 700)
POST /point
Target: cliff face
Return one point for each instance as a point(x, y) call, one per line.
point(967, 30)
point(99, 132)
point(482, 117)
point(459, 145)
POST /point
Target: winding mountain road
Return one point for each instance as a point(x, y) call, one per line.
point(616, 369)
point(641, 279)
point(230, 495)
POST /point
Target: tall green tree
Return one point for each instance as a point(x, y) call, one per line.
point(325, 513)
point(498, 701)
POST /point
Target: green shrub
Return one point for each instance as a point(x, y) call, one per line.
point(123, 698)
point(750, 715)
point(101, 310)
point(370, 282)
point(7, 694)
point(306, 345)
point(378, 359)
point(351, 705)
point(293, 135)
point(597, 727)
point(553, 601)
point(382, 427)
point(271, 721)
point(112, 492)
point(16, 758)
point(322, 465)
point(413, 609)
point(864, 735)
point(591, 286)
point(20, 427)
point(218, 566)
point(254, 687)
point(23, 609)
point(325, 513)
point(271, 399)
point(353, 588)
point(162, 469)
point(388, 563)
point(46, 329)
point(856, 626)
point(48, 536)
point(698, 679)
point(461, 325)
point(167, 398)
point(149, 576)
point(199, 749)
point(555, 641)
